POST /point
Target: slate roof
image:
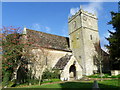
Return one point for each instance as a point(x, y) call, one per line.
point(48, 40)
point(62, 62)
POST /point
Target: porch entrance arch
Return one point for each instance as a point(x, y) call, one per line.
point(72, 72)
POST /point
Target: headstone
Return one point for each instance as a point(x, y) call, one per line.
point(115, 72)
point(95, 86)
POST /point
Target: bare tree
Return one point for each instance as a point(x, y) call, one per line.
point(39, 62)
point(98, 58)
point(35, 55)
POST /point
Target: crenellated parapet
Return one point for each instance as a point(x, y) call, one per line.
point(82, 12)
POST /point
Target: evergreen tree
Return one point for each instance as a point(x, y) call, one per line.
point(114, 40)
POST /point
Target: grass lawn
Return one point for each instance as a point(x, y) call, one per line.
point(80, 84)
point(104, 76)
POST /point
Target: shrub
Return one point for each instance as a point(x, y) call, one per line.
point(11, 83)
point(56, 74)
point(51, 74)
point(52, 80)
point(47, 74)
point(33, 81)
point(94, 76)
point(6, 78)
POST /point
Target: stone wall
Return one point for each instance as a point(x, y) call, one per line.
point(53, 56)
point(83, 31)
point(115, 72)
point(89, 49)
point(65, 74)
point(45, 58)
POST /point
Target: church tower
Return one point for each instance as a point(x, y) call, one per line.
point(83, 33)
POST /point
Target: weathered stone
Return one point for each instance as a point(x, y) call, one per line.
point(72, 56)
point(83, 31)
point(115, 72)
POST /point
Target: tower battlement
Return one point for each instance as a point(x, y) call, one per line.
point(83, 31)
point(80, 12)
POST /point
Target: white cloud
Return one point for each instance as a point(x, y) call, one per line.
point(74, 10)
point(91, 7)
point(48, 30)
point(36, 26)
point(39, 27)
point(103, 41)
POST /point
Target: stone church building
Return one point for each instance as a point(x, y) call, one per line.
point(72, 55)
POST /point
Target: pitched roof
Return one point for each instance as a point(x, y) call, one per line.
point(48, 40)
point(62, 62)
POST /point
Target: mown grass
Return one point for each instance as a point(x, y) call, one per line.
point(115, 83)
point(104, 76)
point(36, 83)
point(80, 84)
point(52, 80)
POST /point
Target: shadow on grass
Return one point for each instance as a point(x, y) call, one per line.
point(75, 85)
point(88, 86)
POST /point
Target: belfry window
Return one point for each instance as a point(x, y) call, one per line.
point(91, 37)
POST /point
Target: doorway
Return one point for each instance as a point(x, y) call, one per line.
point(72, 72)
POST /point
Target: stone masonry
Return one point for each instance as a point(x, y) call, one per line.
point(73, 56)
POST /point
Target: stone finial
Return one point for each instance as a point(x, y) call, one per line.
point(80, 7)
point(24, 31)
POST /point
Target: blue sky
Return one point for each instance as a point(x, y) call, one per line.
point(52, 17)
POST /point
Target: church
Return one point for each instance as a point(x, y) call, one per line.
point(72, 55)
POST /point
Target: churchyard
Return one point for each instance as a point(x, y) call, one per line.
point(114, 83)
point(107, 81)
